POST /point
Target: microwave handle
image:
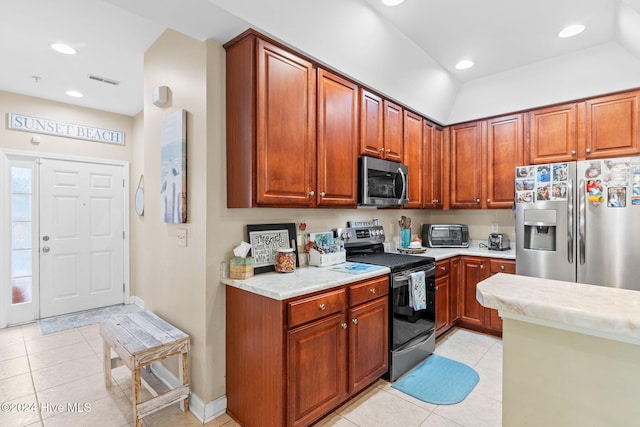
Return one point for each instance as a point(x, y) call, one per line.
point(404, 184)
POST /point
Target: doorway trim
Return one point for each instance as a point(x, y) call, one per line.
point(9, 155)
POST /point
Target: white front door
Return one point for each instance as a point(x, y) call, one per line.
point(81, 236)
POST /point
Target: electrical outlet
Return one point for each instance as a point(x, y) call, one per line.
point(494, 227)
point(181, 237)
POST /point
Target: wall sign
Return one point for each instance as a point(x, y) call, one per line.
point(69, 130)
point(265, 239)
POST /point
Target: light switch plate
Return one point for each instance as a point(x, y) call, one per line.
point(181, 237)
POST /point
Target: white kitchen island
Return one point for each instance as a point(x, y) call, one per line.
point(571, 351)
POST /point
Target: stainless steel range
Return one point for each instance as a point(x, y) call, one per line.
point(411, 331)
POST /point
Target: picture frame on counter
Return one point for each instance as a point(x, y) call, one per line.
point(266, 239)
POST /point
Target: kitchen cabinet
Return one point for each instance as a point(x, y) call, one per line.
point(612, 126)
point(414, 158)
point(484, 155)
point(337, 144)
point(292, 129)
point(552, 134)
point(291, 362)
point(443, 297)
point(473, 271)
point(371, 124)
point(392, 131)
point(433, 166)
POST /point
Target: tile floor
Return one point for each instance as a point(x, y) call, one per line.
point(66, 367)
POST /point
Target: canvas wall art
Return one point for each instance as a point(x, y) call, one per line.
point(173, 168)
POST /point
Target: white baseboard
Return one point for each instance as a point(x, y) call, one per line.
point(203, 412)
point(137, 301)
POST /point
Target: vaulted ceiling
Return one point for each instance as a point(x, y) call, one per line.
point(407, 52)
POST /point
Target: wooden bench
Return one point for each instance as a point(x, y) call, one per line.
point(139, 339)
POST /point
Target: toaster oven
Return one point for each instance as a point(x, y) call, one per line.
point(445, 235)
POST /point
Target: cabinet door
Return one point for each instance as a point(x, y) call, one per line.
point(286, 136)
point(498, 266)
point(316, 369)
point(371, 117)
point(368, 343)
point(337, 141)
point(504, 148)
point(443, 315)
point(612, 126)
point(433, 167)
point(466, 165)
point(472, 271)
point(454, 289)
point(553, 134)
point(414, 157)
point(393, 136)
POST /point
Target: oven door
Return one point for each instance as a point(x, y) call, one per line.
point(408, 324)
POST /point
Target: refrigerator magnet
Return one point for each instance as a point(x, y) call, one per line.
point(617, 197)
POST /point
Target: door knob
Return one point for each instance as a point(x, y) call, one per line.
point(311, 193)
point(45, 249)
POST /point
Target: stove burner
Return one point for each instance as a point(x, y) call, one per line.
point(395, 262)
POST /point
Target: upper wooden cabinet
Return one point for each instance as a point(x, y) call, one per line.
point(271, 126)
point(505, 151)
point(433, 167)
point(484, 155)
point(612, 126)
point(371, 118)
point(552, 134)
point(337, 147)
point(414, 158)
point(393, 133)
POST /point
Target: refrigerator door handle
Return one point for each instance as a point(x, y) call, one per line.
point(581, 222)
point(570, 244)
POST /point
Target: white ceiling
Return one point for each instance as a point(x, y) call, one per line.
point(407, 52)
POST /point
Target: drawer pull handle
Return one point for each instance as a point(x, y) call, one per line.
point(355, 321)
point(323, 307)
point(344, 326)
point(373, 290)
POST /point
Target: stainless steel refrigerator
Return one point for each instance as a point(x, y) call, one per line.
point(580, 221)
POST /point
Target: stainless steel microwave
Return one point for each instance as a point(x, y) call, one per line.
point(382, 182)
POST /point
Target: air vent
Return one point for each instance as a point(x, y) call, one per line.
point(104, 80)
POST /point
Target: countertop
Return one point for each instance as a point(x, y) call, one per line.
point(600, 311)
point(305, 280)
point(474, 249)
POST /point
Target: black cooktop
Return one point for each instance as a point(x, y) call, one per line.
point(396, 262)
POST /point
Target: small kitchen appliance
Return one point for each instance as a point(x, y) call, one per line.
point(499, 242)
point(382, 182)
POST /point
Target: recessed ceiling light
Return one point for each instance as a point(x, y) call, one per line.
point(74, 93)
point(63, 48)
point(464, 64)
point(392, 2)
point(571, 30)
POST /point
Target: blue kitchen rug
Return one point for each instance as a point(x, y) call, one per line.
point(83, 318)
point(438, 380)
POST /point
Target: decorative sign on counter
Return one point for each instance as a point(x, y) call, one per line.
point(69, 130)
point(266, 239)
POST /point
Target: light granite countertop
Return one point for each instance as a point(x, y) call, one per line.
point(601, 311)
point(474, 249)
point(305, 280)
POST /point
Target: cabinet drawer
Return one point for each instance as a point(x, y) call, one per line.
point(503, 266)
point(317, 306)
point(368, 290)
point(442, 268)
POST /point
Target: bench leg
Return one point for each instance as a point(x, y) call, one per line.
point(137, 394)
point(106, 362)
point(184, 374)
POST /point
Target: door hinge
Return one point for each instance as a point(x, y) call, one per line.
point(123, 238)
point(122, 182)
point(123, 287)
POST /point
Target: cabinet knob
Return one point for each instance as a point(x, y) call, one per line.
point(388, 150)
point(322, 194)
point(573, 151)
point(323, 307)
point(477, 200)
point(442, 267)
point(435, 201)
point(355, 321)
point(481, 266)
point(382, 150)
point(372, 290)
point(588, 150)
point(344, 326)
point(488, 200)
point(311, 193)
point(502, 267)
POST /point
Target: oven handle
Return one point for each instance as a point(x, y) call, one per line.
point(407, 347)
point(404, 277)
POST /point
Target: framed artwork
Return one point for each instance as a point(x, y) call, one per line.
point(173, 168)
point(265, 239)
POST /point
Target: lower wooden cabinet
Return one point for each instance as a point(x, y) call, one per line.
point(291, 362)
point(472, 271)
point(443, 297)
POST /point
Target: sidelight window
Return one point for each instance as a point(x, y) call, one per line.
point(21, 234)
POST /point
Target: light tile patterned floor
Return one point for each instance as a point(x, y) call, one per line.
point(65, 367)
